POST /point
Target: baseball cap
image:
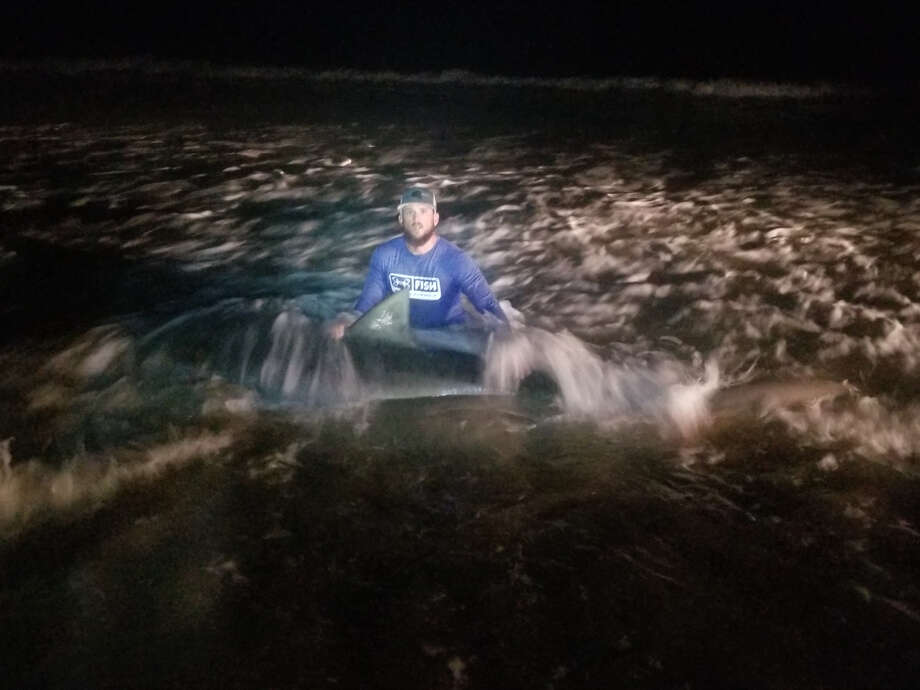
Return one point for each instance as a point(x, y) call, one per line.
point(418, 195)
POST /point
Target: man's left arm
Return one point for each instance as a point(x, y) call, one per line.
point(474, 285)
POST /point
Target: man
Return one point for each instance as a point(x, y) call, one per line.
point(434, 270)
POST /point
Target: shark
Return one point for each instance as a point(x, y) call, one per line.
point(451, 361)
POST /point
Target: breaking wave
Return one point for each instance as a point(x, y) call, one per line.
point(719, 88)
point(33, 490)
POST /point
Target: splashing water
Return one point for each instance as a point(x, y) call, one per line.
point(306, 365)
point(590, 387)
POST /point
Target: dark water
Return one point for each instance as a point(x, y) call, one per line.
point(197, 489)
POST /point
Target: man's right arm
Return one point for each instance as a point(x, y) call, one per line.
point(374, 291)
point(375, 284)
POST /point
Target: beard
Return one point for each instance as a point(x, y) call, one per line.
point(414, 240)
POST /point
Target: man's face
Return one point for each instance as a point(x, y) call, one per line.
point(418, 222)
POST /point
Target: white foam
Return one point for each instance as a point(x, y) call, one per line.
point(96, 352)
point(870, 428)
point(31, 491)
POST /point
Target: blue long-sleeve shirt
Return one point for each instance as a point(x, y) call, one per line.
point(435, 281)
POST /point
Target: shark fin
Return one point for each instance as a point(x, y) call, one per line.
point(386, 322)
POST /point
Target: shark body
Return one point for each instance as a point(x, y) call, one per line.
point(450, 361)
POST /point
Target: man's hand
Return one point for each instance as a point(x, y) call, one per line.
point(336, 329)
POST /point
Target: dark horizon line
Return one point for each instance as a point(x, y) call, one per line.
point(242, 63)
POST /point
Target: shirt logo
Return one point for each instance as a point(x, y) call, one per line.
point(419, 287)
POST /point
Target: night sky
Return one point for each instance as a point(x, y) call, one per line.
point(794, 41)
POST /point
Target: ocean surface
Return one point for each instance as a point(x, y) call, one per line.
point(199, 489)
